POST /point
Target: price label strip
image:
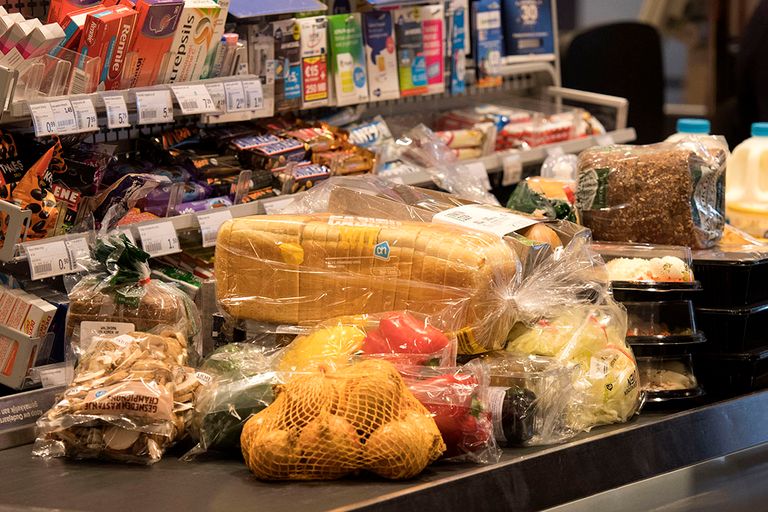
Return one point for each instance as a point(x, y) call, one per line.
point(78, 249)
point(218, 95)
point(154, 107)
point(235, 96)
point(85, 114)
point(43, 119)
point(210, 222)
point(193, 99)
point(117, 112)
point(254, 95)
point(159, 239)
point(64, 115)
point(48, 260)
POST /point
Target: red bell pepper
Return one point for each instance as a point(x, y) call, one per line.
point(401, 333)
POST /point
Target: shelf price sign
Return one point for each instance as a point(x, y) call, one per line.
point(235, 96)
point(43, 119)
point(210, 222)
point(193, 99)
point(154, 106)
point(218, 95)
point(48, 259)
point(254, 95)
point(117, 111)
point(159, 239)
point(85, 115)
point(64, 115)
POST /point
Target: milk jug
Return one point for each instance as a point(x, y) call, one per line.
point(746, 184)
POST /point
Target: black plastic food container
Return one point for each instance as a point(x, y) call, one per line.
point(733, 374)
point(731, 283)
point(662, 322)
point(624, 291)
point(734, 330)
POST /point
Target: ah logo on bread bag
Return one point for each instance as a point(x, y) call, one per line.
point(381, 251)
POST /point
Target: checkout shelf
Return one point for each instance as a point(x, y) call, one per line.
point(525, 479)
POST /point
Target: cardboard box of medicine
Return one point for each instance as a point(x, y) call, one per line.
point(107, 35)
point(39, 318)
point(73, 24)
point(17, 356)
point(314, 61)
point(10, 298)
point(345, 35)
point(192, 41)
point(218, 31)
point(412, 67)
point(380, 56)
point(156, 24)
point(287, 34)
point(8, 20)
point(60, 8)
point(17, 33)
point(432, 24)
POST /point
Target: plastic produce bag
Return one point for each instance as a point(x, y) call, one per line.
point(129, 400)
point(330, 423)
point(459, 402)
point(304, 269)
point(402, 338)
point(667, 193)
point(529, 398)
point(544, 197)
point(592, 337)
point(242, 381)
point(121, 297)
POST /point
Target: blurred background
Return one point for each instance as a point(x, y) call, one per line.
point(671, 59)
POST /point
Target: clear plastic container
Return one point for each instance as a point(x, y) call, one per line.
point(668, 377)
point(687, 127)
point(746, 189)
point(661, 323)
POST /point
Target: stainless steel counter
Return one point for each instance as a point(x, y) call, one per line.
point(525, 479)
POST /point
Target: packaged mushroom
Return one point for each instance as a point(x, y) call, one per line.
point(131, 398)
point(120, 297)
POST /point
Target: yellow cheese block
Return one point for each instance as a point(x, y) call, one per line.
point(302, 269)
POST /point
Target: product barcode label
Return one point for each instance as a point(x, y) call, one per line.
point(154, 106)
point(488, 219)
point(117, 111)
point(159, 239)
point(496, 397)
point(598, 368)
point(42, 119)
point(210, 222)
point(53, 377)
point(235, 96)
point(193, 99)
point(48, 259)
point(254, 95)
point(79, 83)
point(78, 250)
point(85, 114)
point(64, 115)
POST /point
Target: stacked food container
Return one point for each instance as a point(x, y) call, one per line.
point(733, 310)
point(656, 285)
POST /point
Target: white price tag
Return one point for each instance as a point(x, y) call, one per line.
point(53, 377)
point(555, 151)
point(605, 139)
point(235, 96)
point(64, 115)
point(193, 99)
point(489, 219)
point(48, 260)
point(218, 95)
point(254, 95)
point(117, 112)
point(85, 115)
point(154, 107)
point(210, 222)
point(478, 170)
point(78, 250)
point(43, 119)
point(159, 239)
point(513, 170)
point(276, 206)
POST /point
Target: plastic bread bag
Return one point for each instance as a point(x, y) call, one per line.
point(529, 398)
point(242, 380)
point(119, 296)
point(458, 399)
point(421, 147)
point(130, 399)
point(667, 193)
point(403, 338)
point(333, 422)
point(591, 337)
point(304, 269)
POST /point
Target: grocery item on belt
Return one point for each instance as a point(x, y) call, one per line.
point(667, 193)
point(330, 423)
point(130, 400)
point(299, 269)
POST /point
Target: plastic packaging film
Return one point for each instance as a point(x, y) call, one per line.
point(303, 269)
point(667, 193)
